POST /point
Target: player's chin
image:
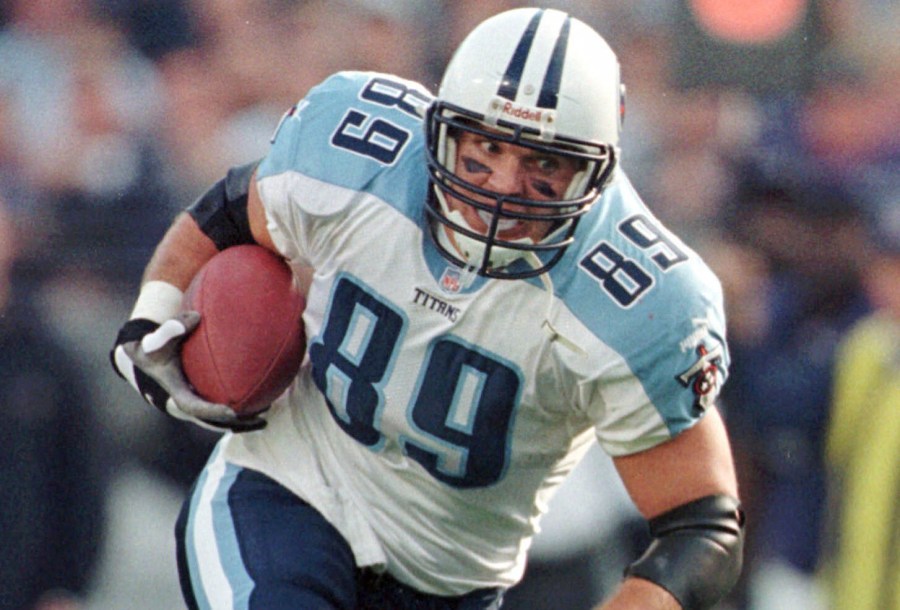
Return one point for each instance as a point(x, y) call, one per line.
point(532, 230)
point(516, 234)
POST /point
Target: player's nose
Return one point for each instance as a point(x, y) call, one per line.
point(507, 176)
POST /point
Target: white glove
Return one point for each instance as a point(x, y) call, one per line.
point(146, 354)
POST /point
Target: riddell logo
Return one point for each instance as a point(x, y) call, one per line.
point(521, 112)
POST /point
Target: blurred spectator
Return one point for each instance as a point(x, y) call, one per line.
point(253, 59)
point(80, 110)
point(154, 27)
point(690, 180)
point(87, 175)
point(52, 506)
point(809, 234)
point(55, 54)
point(851, 118)
point(863, 565)
point(746, 277)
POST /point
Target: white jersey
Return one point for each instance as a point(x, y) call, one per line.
point(433, 417)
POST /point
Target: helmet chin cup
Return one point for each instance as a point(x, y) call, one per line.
point(475, 252)
point(486, 254)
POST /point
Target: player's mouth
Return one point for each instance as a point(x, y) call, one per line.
point(503, 225)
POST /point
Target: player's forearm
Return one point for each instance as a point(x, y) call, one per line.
point(640, 594)
point(180, 254)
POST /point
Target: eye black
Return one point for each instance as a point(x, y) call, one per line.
point(544, 188)
point(474, 167)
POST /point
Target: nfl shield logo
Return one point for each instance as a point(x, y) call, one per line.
point(450, 280)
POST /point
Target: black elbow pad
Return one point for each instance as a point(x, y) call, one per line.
point(221, 212)
point(697, 551)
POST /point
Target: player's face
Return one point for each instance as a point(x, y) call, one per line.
point(508, 169)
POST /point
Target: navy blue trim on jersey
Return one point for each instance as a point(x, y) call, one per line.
point(550, 89)
point(509, 86)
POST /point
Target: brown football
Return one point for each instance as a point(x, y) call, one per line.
point(250, 341)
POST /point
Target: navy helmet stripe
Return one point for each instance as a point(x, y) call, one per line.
point(509, 86)
point(550, 89)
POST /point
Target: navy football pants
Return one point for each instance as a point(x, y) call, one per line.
point(245, 542)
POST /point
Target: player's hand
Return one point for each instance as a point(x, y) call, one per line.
point(147, 356)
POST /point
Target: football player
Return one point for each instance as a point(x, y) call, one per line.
point(489, 297)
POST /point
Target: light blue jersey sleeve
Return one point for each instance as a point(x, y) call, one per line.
point(651, 299)
point(356, 130)
point(355, 138)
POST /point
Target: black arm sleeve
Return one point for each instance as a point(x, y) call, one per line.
point(221, 212)
point(697, 551)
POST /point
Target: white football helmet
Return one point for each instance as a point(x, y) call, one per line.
point(537, 78)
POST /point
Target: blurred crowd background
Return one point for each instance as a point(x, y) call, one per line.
point(765, 133)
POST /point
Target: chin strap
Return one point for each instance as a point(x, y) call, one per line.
point(468, 273)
